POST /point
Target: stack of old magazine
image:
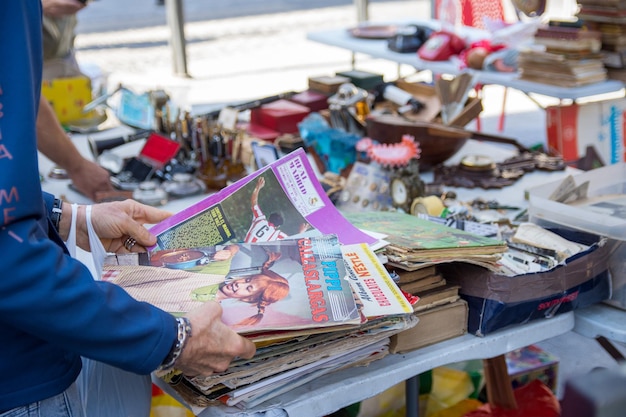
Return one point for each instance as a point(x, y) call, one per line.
point(416, 243)
point(314, 298)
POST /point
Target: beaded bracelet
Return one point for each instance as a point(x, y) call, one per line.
point(184, 332)
point(57, 211)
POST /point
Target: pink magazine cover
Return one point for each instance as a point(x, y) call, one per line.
point(284, 199)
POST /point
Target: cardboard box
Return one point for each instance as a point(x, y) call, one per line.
point(571, 128)
point(531, 362)
point(498, 301)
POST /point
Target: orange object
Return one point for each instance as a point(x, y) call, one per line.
point(533, 399)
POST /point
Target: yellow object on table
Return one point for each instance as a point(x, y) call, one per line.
point(68, 97)
point(459, 409)
point(450, 386)
point(431, 205)
point(164, 405)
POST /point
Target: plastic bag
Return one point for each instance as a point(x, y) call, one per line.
point(106, 390)
point(94, 260)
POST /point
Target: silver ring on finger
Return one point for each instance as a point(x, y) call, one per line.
point(129, 243)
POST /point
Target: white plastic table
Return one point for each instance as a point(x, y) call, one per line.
point(340, 389)
point(334, 391)
point(377, 48)
point(601, 320)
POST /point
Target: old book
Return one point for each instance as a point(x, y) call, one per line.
point(489, 262)
point(410, 276)
point(435, 325)
point(437, 296)
point(423, 284)
point(569, 64)
point(568, 39)
point(568, 81)
point(602, 13)
point(414, 239)
point(562, 68)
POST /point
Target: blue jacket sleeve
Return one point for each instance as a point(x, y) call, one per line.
point(45, 295)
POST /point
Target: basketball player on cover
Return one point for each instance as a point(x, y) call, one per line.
point(262, 228)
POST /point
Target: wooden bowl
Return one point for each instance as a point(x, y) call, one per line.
point(437, 142)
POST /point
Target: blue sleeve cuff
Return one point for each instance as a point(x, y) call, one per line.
point(48, 200)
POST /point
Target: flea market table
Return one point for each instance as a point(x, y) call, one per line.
point(602, 320)
point(332, 392)
point(377, 48)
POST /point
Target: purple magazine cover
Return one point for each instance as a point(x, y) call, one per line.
point(284, 199)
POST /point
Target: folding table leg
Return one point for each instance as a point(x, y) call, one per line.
point(502, 111)
point(412, 396)
point(499, 387)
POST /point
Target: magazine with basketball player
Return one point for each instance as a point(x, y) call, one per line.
point(285, 199)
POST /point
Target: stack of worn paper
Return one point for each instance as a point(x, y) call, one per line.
point(416, 243)
point(311, 306)
point(318, 298)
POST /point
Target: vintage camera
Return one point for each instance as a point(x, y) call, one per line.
point(156, 153)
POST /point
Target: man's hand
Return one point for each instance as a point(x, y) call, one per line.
point(89, 178)
point(60, 8)
point(53, 142)
point(213, 345)
point(114, 223)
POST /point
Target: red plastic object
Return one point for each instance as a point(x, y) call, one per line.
point(533, 399)
point(441, 46)
point(159, 150)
